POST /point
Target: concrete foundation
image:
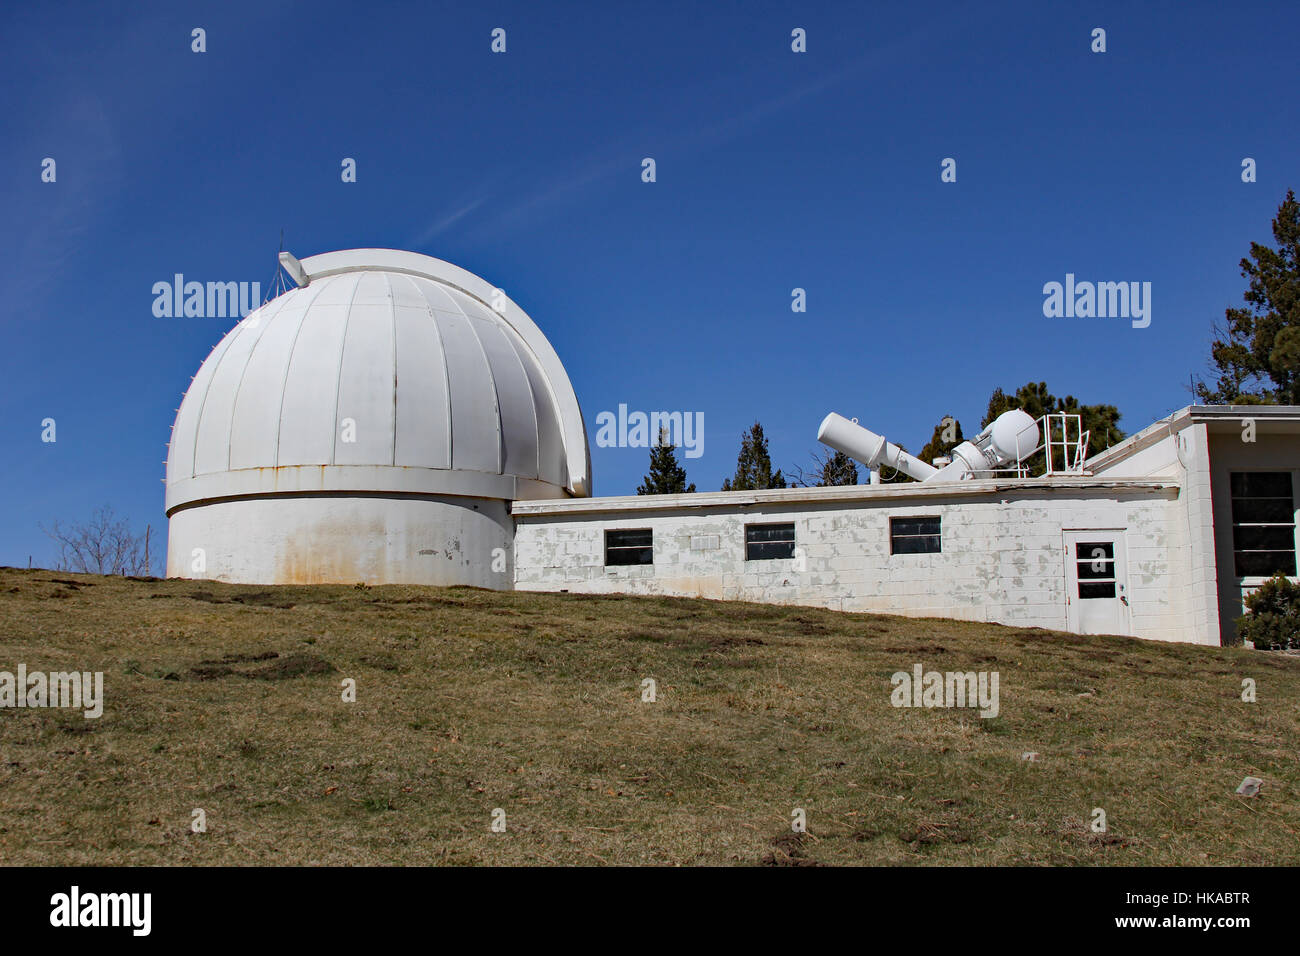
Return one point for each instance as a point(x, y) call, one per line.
point(345, 539)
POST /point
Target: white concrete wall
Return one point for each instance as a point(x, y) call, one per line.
point(1003, 558)
point(1159, 459)
point(342, 539)
point(1201, 574)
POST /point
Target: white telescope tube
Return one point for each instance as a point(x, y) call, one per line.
point(1012, 437)
point(869, 448)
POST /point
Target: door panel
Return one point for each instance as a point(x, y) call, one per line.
point(1096, 582)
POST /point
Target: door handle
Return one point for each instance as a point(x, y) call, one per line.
point(1124, 599)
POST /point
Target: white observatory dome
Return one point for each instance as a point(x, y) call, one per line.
point(367, 415)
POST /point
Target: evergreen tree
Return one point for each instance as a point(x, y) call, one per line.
point(946, 437)
point(667, 476)
point(753, 464)
point(836, 468)
point(1257, 355)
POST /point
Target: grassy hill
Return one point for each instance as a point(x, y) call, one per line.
point(228, 699)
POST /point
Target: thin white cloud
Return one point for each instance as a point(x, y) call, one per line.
point(441, 225)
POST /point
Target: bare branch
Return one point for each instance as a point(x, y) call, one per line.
point(102, 545)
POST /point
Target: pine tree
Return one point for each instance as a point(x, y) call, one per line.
point(1258, 354)
point(836, 468)
point(667, 476)
point(946, 437)
point(753, 464)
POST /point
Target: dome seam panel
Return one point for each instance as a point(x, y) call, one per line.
point(338, 377)
point(284, 380)
point(446, 372)
point(262, 327)
point(496, 395)
point(392, 311)
point(532, 399)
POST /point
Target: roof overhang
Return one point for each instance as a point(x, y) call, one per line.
point(920, 492)
point(1269, 419)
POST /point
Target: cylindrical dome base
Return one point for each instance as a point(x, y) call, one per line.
point(345, 539)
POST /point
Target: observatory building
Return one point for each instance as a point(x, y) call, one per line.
point(396, 419)
point(374, 424)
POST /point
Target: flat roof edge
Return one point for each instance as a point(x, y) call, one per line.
point(840, 493)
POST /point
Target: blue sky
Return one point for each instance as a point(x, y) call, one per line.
point(775, 170)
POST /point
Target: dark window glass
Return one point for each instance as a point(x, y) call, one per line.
point(1264, 537)
point(1262, 511)
point(910, 526)
point(768, 542)
point(629, 547)
point(1095, 550)
point(1096, 560)
point(1089, 590)
point(1263, 523)
point(1261, 484)
point(915, 536)
point(1265, 564)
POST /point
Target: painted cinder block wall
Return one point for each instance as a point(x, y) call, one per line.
point(1003, 557)
point(1180, 452)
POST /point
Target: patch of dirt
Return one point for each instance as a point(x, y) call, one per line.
point(283, 668)
point(1108, 839)
point(295, 665)
point(919, 649)
point(211, 672)
point(808, 625)
point(207, 596)
point(256, 599)
point(425, 602)
point(932, 832)
point(262, 599)
point(735, 642)
point(788, 850)
point(244, 658)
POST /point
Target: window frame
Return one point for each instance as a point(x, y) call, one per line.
point(1236, 525)
point(793, 542)
point(625, 548)
point(894, 536)
point(1099, 583)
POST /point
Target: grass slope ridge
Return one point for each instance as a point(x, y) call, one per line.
point(227, 698)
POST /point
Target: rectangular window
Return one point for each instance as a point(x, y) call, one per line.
point(1263, 523)
point(1096, 565)
point(915, 536)
point(629, 547)
point(768, 542)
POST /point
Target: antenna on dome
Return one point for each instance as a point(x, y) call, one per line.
point(277, 286)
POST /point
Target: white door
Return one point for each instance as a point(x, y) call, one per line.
point(1096, 582)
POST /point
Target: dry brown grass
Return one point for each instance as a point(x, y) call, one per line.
point(471, 700)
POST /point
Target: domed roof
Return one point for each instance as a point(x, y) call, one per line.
point(385, 371)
